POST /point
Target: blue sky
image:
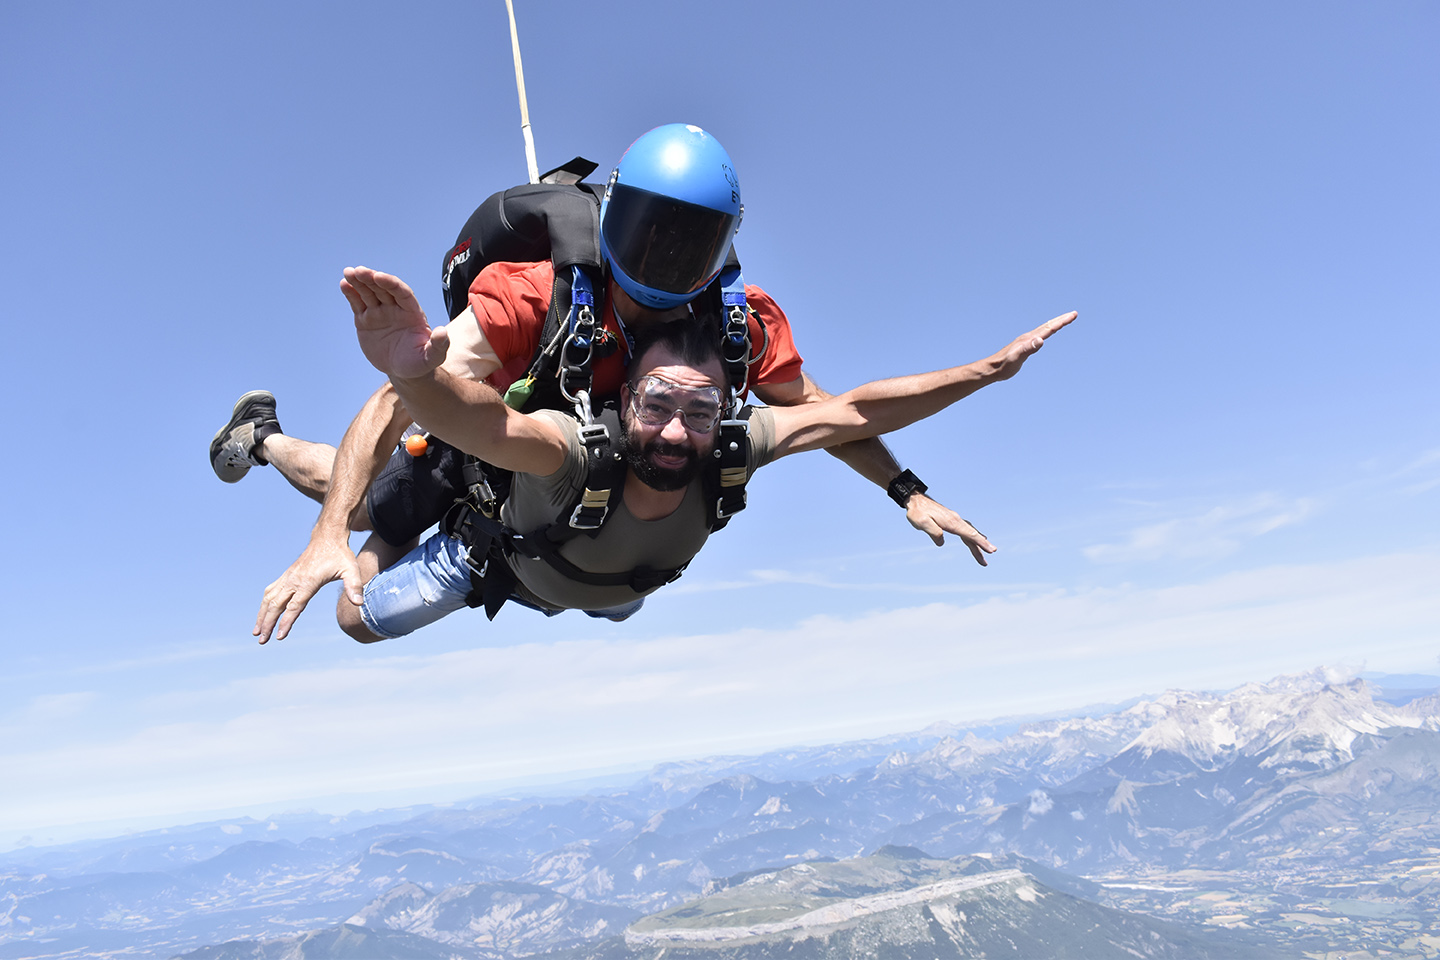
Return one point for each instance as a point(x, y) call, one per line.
point(1228, 468)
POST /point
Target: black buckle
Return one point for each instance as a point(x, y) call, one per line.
point(485, 499)
point(581, 520)
point(592, 434)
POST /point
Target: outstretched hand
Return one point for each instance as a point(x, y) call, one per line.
point(391, 327)
point(286, 598)
point(935, 520)
point(1009, 360)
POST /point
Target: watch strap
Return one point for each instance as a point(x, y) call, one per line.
point(905, 486)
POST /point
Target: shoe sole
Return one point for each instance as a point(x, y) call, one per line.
point(235, 412)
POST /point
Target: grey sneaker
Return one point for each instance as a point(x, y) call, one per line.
point(233, 451)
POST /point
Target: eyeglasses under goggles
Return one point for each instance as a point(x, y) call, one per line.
point(656, 401)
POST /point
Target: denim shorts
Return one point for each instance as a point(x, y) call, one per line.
point(431, 582)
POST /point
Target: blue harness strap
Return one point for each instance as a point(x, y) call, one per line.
point(732, 287)
point(575, 376)
point(581, 293)
point(735, 341)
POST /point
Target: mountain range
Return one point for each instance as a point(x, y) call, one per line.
point(1298, 814)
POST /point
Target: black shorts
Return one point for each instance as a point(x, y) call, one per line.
point(412, 494)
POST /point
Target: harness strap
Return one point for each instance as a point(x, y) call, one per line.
point(604, 474)
point(564, 355)
point(542, 545)
point(579, 350)
point(491, 542)
point(491, 579)
point(732, 449)
point(735, 342)
point(475, 521)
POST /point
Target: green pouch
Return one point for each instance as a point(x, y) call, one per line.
point(519, 393)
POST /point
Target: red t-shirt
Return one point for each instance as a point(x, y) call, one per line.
point(510, 301)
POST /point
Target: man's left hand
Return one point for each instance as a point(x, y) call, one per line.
point(936, 520)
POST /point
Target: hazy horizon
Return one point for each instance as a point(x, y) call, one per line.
point(559, 783)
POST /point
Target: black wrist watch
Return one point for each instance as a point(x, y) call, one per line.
point(903, 486)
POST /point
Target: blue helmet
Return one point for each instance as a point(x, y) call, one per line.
point(670, 210)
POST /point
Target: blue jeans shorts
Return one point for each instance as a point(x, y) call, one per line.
point(432, 581)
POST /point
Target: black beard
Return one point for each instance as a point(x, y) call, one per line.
point(639, 459)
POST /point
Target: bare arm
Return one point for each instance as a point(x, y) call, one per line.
point(397, 339)
point(873, 460)
point(869, 457)
point(473, 417)
point(887, 405)
point(372, 435)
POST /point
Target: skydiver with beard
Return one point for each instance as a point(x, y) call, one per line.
point(670, 409)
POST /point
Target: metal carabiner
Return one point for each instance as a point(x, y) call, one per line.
point(582, 335)
point(582, 406)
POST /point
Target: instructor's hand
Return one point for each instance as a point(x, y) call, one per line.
point(285, 599)
point(391, 327)
point(935, 519)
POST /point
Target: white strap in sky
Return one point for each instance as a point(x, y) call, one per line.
point(524, 109)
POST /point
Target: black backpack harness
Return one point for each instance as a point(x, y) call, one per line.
point(558, 219)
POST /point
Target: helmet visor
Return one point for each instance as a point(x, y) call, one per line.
point(664, 243)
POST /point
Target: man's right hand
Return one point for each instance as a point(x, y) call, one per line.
point(1008, 361)
point(285, 599)
point(392, 329)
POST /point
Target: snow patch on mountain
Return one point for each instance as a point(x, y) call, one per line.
point(1289, 721)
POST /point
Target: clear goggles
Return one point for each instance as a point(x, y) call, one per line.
point(656, 401)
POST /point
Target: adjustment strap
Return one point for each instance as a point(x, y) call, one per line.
point(581, 293)
point(732, 448)
point(491, 580)
point(603, 470)
point(732, 287)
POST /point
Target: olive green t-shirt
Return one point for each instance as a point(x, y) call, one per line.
point(624, 542)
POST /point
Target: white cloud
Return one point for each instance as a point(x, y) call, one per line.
point(373, 722)
point(1214, 533)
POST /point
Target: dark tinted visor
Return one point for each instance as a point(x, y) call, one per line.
point(664, 243)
